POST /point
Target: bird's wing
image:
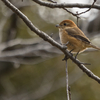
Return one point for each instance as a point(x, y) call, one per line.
point(78, 34)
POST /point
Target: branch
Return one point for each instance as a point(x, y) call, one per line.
point(52, 1)
point(67, 83)
point(65, 6)
point(50, 40)
point(88, 9)
point(80, 12)
point(62, 5)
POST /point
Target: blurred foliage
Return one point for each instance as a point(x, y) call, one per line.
point(46, 79)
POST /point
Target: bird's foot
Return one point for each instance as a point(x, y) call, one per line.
point(65, 58)
point(77, 54)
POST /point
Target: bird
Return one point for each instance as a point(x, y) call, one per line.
point(71, 36)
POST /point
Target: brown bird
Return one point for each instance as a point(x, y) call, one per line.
point(73, 37)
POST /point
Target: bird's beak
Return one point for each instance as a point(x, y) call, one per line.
point(58, 25)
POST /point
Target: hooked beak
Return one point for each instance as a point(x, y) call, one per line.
point(58, 25)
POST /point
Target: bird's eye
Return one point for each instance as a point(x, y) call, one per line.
point(65, 24)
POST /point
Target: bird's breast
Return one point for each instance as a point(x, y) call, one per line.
point(63, 36)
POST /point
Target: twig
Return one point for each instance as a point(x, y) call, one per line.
point(52, 1)
point(70, 12)
point(88, 9)
point(67, 84)
point(69, 92)
point(65, 6)
point(67, 81)
point(50, 40)
point(77, 18)
point(77, 14)
point(62, 5)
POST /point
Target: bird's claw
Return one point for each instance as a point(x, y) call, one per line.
point(65, 58)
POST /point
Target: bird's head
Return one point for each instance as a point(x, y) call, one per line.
point(66, 24)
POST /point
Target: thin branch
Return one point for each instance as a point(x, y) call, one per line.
point(77, 19)
point(52, 1)
point(67, 10)
point(67, 83)
point(69, 93)
point(88, 9)
point(76, 14)
point(50, 40)
point(65, 6)
point(62, 5)
point(67, 80)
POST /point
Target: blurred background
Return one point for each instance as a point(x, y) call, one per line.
point(31, 68)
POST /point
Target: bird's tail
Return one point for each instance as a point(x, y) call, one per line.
point(95, 47)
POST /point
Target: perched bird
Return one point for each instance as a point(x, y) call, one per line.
point(73, 37)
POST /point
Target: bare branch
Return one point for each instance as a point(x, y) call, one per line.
point(50, 40)
point(67, 83)
point(88, 9)
point(70, 12)
point(65, 6)
point(80, 12)
point(52, 1)
point(62, 5)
